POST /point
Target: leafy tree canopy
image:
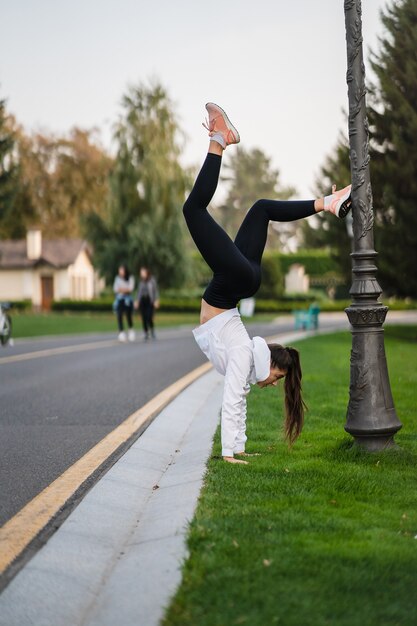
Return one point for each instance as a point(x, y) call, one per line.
point(50, 182)
point(143, 224)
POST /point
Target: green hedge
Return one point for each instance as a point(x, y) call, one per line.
point(92, 306)
point(19, 305)
point(184, 304)
point(316, 262)
point(288, 306)
point(105, 305)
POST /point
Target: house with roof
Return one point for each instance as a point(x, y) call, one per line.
point(42, 270)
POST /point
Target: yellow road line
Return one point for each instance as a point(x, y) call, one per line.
point(53, 351)
point(21, 529)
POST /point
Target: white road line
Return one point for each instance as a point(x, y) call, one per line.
point(39, 354)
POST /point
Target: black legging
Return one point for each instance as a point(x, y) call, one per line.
point(236, 265)
point(147, 310)
point(122, 309)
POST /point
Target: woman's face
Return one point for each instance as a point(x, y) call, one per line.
point(275, 375)
point(121, 271)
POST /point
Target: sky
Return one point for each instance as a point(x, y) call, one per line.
point(277, 67)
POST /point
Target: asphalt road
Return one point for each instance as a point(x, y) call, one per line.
point(54, 408)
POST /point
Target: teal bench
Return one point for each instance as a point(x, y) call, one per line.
point(307, 319)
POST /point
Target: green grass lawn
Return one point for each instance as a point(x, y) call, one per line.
point(38, 324)
point(323, 534)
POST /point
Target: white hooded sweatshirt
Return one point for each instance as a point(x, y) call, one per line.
point(242, 361)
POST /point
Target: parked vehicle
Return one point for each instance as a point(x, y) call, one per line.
point(5, 324)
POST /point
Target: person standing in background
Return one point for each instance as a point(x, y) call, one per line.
point(148, 301)
point(123, 287)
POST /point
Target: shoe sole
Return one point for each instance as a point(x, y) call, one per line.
point(345, 208)
point(229, 124)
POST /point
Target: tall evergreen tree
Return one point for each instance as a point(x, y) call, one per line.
point(393, 123)
point(144, 222)
point(325, 231)
point(9, 171)
point(392, 113)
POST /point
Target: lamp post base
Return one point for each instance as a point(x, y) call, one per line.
point(371, 417)
point(376, 444)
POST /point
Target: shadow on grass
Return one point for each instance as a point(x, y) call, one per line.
point(348, 451)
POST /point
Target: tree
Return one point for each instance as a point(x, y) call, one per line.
point(50, 182)
point(62, 179)
point(250, 177)
point(393, 123)
point(325, 231)
point(143, 222)
point(9, 170)
point(392, 112)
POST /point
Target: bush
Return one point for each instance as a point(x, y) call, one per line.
point(184, 304)
point(316, 262)
point(180, 305)
point(103, 305)
point(19, 305)
point(200, 272)
point(272, 285)
point(275, 265)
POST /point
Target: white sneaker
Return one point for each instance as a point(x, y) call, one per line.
point(131, 334)
point(339, 203)
point(122, 337)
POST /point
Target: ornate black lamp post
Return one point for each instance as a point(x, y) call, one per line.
point(371, 417)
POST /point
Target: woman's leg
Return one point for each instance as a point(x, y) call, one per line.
point(120, 308)
point(150, 316)
point(252, 234)
point(215, 245)
point(129, 310)
point(144, 318)
point(150, 319)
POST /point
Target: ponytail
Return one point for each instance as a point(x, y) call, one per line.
point(288, 359)
point(294, 403)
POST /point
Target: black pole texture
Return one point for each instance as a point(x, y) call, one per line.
point(371, 417)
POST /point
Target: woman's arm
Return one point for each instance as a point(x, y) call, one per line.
point(124, 289)
point(233, 424)
point(140, 288)
point(156, 294)
point(241, 434)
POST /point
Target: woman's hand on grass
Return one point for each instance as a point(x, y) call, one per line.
point(231, 459)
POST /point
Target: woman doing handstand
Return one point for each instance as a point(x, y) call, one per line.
point(236, 268)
